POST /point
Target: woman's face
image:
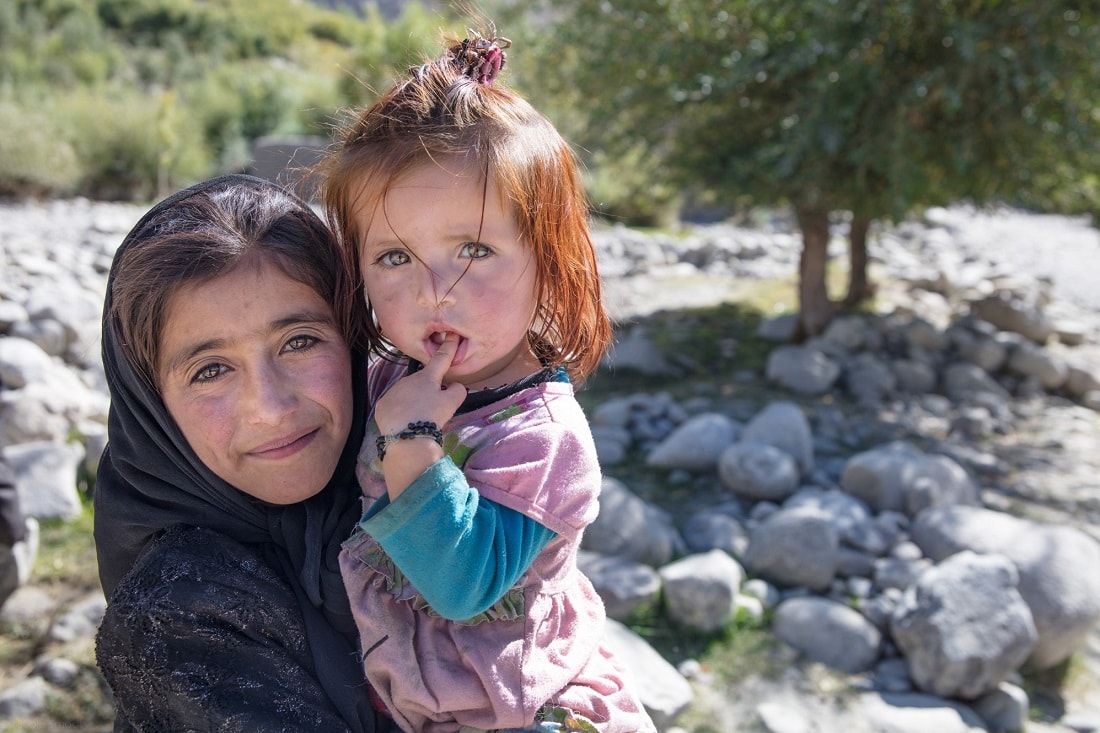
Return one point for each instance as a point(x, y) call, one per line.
point(257, 375)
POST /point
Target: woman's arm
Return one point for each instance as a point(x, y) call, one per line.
point(202, 635)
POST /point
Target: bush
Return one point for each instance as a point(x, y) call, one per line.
point(128, 99)
point(133, 146)
point(626, 189)
point(219, 112)
point(242, 103)
point(34, 158)
point(311, 103)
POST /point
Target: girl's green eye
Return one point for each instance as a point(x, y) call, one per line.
point(394, 258)
point(475, 250)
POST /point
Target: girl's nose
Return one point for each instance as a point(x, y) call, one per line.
point(435, 287)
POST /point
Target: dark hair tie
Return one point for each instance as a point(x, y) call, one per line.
point(480, 58)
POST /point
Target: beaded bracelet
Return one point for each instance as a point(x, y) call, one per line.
point(419, 429)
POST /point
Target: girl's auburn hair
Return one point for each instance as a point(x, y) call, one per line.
point(439, 110)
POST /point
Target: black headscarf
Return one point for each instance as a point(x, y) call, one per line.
point(149, 479)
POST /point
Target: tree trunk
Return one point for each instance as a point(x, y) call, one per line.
point(859, 287)
point(815, 310)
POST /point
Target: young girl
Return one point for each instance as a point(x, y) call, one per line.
point(462, 208)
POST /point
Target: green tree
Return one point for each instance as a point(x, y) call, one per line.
point(388, 48)
point(873, 107)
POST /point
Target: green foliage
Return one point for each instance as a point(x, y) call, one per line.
point(231, 30)
point(841, 105)
point(629, 188)
point(132, 145)
point(129, 98)
point(724, 651)
point(32, 159)
point(59, 41)
point(263, 101)
point(386, 51)
point(702, 347)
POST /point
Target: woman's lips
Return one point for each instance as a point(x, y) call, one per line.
point(283, 447)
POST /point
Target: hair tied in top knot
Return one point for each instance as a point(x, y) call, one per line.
point(480, 58)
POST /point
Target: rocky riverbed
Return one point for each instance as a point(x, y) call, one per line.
point(1031, 449)
point(982, 351)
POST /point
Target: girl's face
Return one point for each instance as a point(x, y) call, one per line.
point(443, 254)
point(257, 375)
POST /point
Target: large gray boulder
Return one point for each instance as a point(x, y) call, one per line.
point(630, 527)
point(900, 477)
point(758, 472)
point(784, 425)
point(1015, 312)
point(802, 369)
point(963, 626)
point(663, 691)
point(697, 444)
point(700, 590)
point(794, 548)
point(828, 632)
point(1057, 567)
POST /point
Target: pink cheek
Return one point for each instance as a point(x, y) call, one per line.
point(213, 422)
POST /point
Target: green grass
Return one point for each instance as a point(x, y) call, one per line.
point(742, 647)
point(66, 567)
point(703, 346)
point(66, 554)
point(1047, 688)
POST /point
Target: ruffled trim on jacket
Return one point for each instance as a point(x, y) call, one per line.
point(366, 550)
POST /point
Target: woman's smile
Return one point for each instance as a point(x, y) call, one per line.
point(257, 375)
point(284, 447)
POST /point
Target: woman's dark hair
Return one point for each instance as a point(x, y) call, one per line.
point(208, 234)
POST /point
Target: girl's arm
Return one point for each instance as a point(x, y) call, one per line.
point(417, 398)
point(461, 551)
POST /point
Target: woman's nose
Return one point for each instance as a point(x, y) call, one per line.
point(270, 395)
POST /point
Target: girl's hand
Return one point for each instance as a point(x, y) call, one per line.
point(422, 396)
point(417, 397)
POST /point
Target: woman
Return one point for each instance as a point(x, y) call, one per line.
point(228, 481)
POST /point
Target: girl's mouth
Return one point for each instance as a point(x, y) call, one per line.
point(436, 339)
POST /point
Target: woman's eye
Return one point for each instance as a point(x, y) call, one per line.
point(475, 250)
point(208, 373)
point(300, 343)
point(394, 258)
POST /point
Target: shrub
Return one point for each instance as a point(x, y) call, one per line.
point(627, 189)
point(245, 102)
point(131, 145)
point(34, 158)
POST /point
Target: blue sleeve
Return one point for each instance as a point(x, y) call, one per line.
point(462, 552)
